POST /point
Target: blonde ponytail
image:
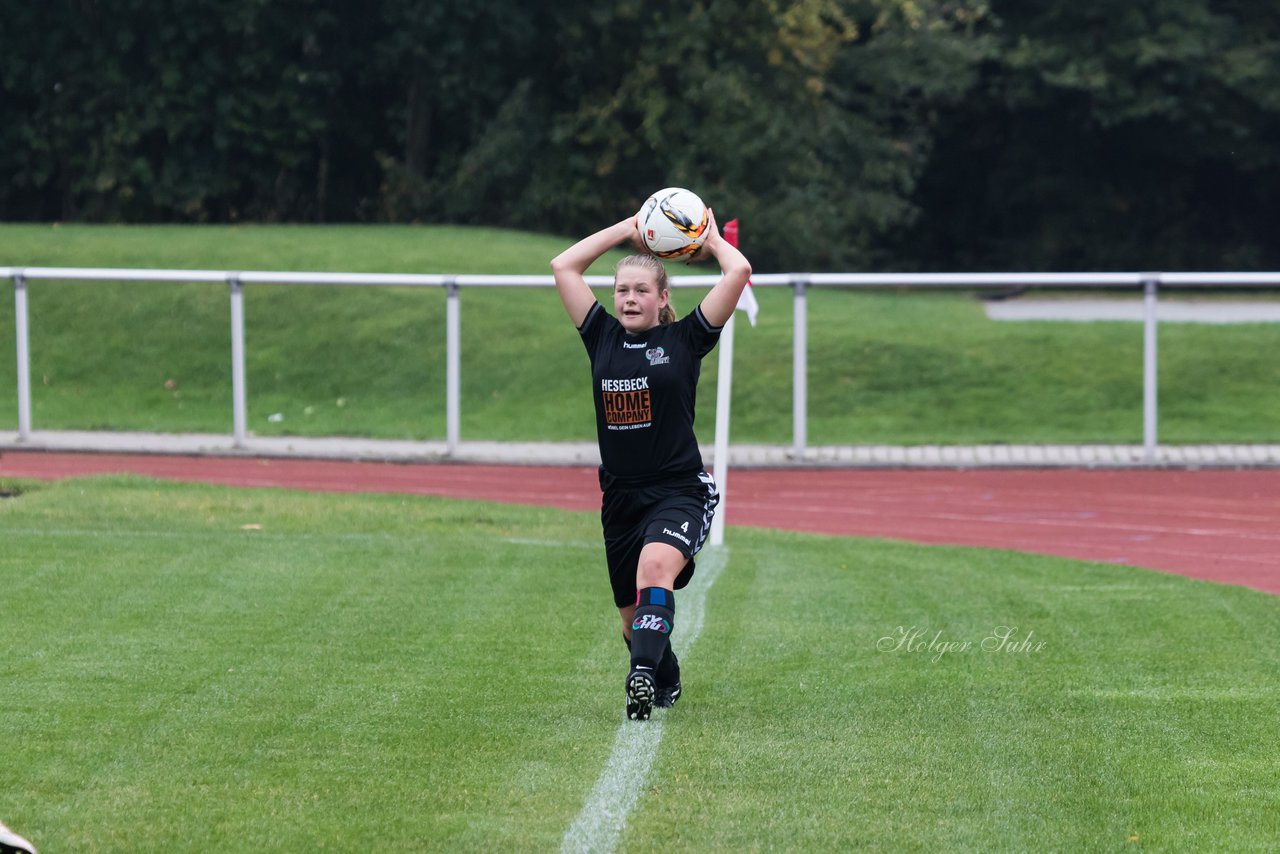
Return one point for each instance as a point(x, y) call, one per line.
point(667, 314)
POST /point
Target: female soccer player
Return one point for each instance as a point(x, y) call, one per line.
point(657, 500)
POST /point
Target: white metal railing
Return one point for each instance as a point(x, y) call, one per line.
point(1149, 283)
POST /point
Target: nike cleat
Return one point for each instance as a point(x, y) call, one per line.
point(667, 696)
point(641, 691)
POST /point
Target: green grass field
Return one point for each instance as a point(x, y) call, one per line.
point(195, 667)
point(884, 366)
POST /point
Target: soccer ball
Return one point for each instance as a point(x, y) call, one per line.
point(673, 223)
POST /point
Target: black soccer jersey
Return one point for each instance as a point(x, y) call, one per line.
point(645, 388)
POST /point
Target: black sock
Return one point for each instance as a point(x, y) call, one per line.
point(669, 668)
point(651, 628)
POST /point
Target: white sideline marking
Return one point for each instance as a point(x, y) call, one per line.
point(599, 826)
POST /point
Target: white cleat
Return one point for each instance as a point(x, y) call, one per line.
point(12, 843)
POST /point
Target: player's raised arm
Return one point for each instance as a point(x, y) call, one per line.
point(718, 306)
point(570, 266)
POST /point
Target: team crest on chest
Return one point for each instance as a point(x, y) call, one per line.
point(657, 356)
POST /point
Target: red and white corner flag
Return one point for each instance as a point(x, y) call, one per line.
point(747, 301)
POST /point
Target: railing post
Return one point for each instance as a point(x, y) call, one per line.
point(239, 406)
point(1149, 329)
point(453, 363)
point(799, 368)
point(24, 356)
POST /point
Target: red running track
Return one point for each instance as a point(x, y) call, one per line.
point(1215, 525)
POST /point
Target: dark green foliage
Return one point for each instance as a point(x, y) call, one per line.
point(807, 120)
point(1113, 136)
point(214, 111)
point(846, 134)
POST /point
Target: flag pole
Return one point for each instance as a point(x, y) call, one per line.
point(724, 389)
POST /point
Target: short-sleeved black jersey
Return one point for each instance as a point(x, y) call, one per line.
point(645, 388)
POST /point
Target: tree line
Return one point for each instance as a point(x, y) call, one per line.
point(845, 134)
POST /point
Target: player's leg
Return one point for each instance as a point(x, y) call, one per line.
point(678, 524)
point(651, 624)
point(662, 569)
point(628, 615)
point(623, 518)
point(668, 680)
point(668, 673)
point(659, 565)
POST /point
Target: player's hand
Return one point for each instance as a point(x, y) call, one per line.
point(634, 239)
point(707, 249)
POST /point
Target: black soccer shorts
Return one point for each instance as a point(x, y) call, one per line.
point(677, 512)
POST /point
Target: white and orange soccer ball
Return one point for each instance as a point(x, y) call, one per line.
point(673, 223)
